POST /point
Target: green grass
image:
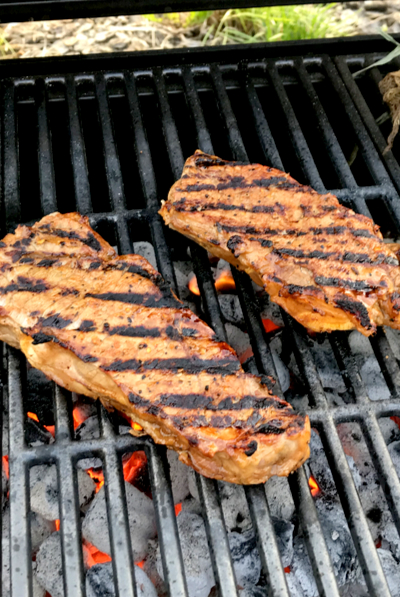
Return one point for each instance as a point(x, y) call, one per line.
point(275, 23)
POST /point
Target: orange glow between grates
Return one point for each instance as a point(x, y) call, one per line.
point(193, 287)
point(314, 487)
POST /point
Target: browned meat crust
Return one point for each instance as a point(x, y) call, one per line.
point(324, 264)
point(109, 327)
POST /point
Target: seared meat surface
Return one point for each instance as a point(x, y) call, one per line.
point(108, 327)
point(325, 265)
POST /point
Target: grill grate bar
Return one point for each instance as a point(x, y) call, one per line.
point(62, 404)
point(120, 542)
point(171, 554)
point(69, 528)
point(261, 124)
point(216, 533)
point(332, 145)
point(387, 361)
point(348, 366)
point(266, 540)
point(113, 169)
point(314, 538)
point(384, 466)
point(78, 153)
point(296, 135)
point(21, 579)
point(142, 148)
point(69, 507)
point(350, 500)
point(48, 199)
point(10, 190)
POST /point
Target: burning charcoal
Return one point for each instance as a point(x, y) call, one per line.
point(4, 483)
point(183, 274)
point(284, 537)
point(192, 505)
point(124, 429)
point(253, 591)
point(100, 583)
point(302, 570)
point(280, 499)
point(39, 395)
point(327, 367)
point(40, 530)
point(294, 587)
point(88, 430)
point(141, 522)
point(392, 571)
point(394, 451)
point(374, 381)
point(339, 542)
point(390, 539)
point(245, 558)
point(36, 435)
point(233, 502)
point(231, 309)
point(320, 468)
point(49, 569)
point(270, 310)
point(179, 477)
point(238, 339)
point(146, 250)
point(44, 490)
point(5, 554)
point(354, 589)
point(196, 556)
point(90, 463)
point(5, 450)
point(151, 569)
point(282, 371)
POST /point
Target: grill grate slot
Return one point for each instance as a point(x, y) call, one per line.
point(239, 110)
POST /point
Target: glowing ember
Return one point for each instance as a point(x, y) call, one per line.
point(132, 463)
point(51, 429)
point(396, 420)
point(6, 467)
point(32, 415)
point(178, 508)
point(270, 325)
point(287, 569)
point(225, 283)
point(193, 287)
point(140, 564)
point(79, 416)
point(57, 524)
point(314, 487)
point(248, 353)
point(136, 426)
point(94, 556)
point(97, 476)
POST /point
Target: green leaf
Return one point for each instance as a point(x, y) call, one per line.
point(386, 59)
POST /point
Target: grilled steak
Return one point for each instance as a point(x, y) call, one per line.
point(324, 264)
point(108, 327)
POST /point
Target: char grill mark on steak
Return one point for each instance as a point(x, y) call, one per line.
point(303, 247)
point(110, 328)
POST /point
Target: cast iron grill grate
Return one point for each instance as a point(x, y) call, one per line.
point(109, 143)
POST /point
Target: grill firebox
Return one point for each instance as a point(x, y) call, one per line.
point(109, 143)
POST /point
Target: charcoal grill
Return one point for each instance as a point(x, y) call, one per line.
point(107, 136)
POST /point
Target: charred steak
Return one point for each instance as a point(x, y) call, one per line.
point(108, 327)
point(325, 265)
